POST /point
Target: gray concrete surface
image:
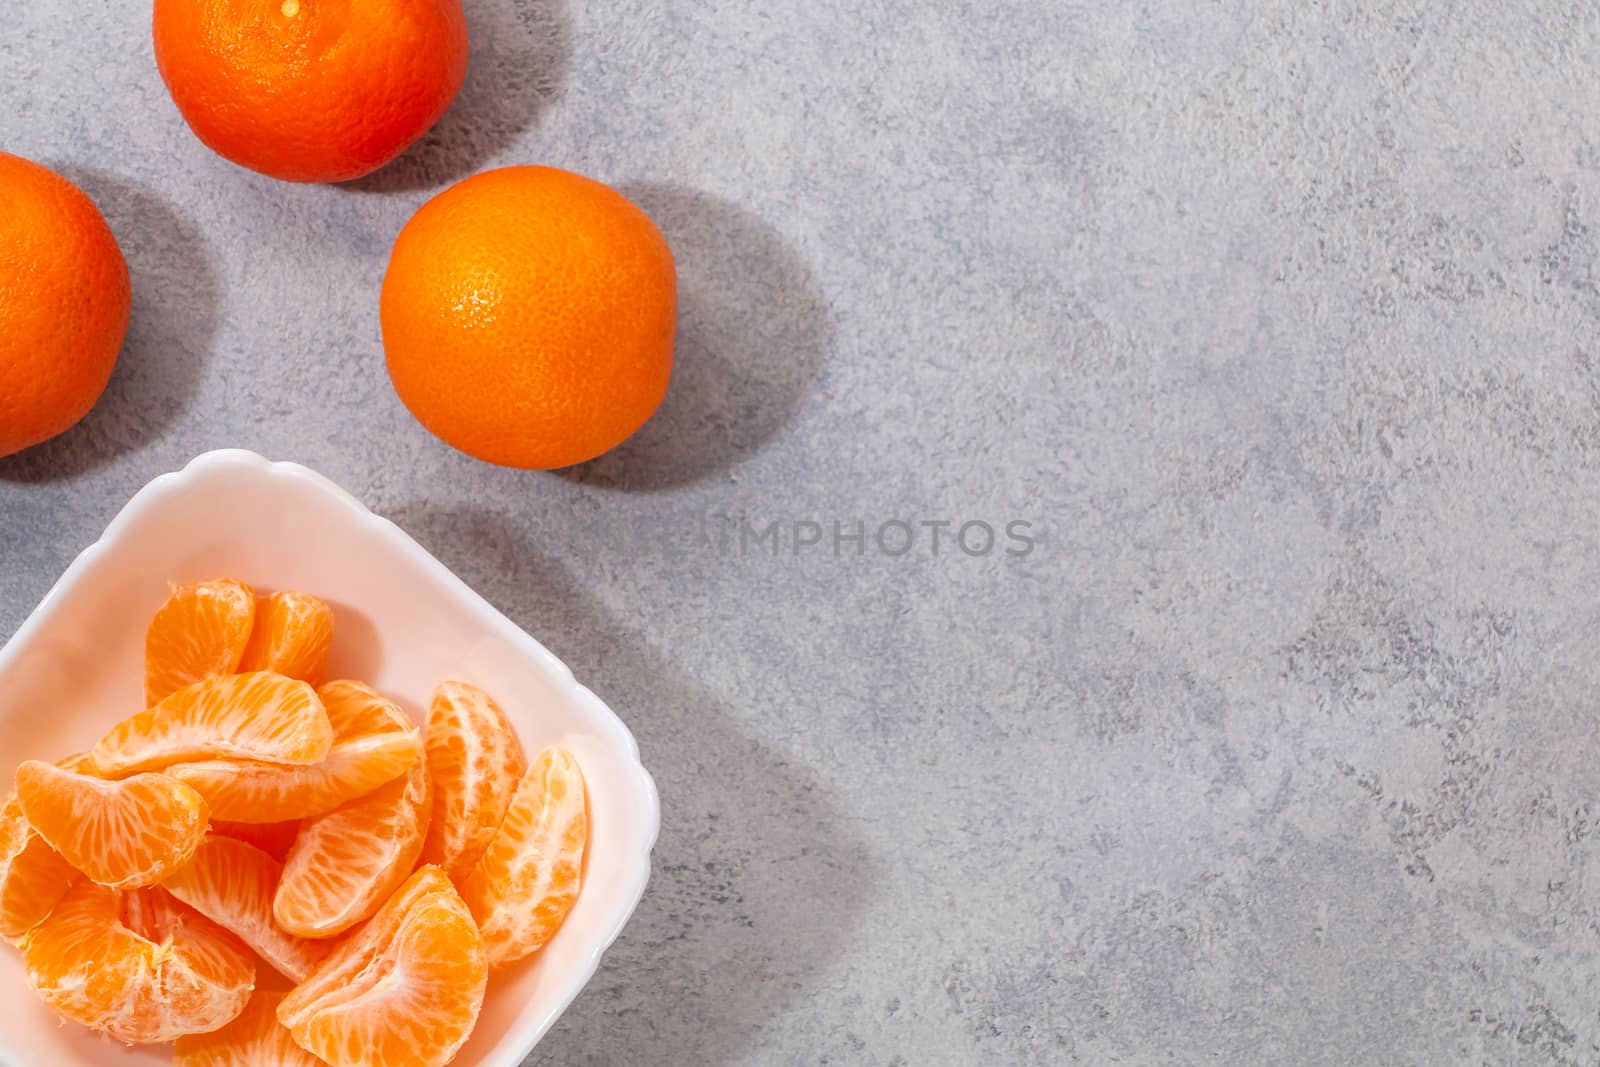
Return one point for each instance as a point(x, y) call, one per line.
point(1277, 320)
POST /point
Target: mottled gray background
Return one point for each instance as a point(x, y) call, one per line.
point(1277, 318)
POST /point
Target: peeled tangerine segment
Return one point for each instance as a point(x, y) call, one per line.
point(345, 864)
point(123, 834)
point(200, 632)
point(475, 760)
point(260, 716)
point(232, 883)
point(273, 838)
point(373, 743)
point(33, 876)
point(293, 635)
point(138, 966)
point(527, 881)
point(405, 990)
point(254, 1039)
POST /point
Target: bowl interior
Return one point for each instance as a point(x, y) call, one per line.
point(403, 623)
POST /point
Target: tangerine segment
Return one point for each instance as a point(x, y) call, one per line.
point(137, 966)
point(344, 865)
point(374, 743)
point(232, 883)
point(200, 632)
point(33, 876)
point(254, 1039)
point(273, 838)
point(123, 834)
point(403, 991)
point(528, 879)
point(475, 760)
point(293, 634)
point(259, 716)
point(356, 710)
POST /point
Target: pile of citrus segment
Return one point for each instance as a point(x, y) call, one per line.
point(272, 869)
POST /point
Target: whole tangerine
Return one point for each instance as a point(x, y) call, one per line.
point(528, 317)
point(311, 90)
point(65, 299)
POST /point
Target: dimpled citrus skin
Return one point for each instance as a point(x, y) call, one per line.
point(311, 90)
point(65, 298)
point(528, 317)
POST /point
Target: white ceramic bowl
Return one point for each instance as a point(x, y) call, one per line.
point(403, 623)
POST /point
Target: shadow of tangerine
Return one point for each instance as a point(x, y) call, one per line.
point(758, 881)
point(520, 51)
point(358, 651)
point(754, 332)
